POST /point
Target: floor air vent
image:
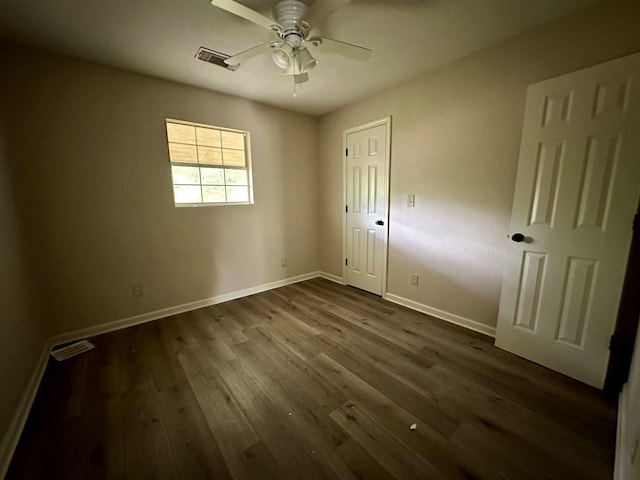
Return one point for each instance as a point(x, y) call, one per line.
point(216, 58)
point(72, 350)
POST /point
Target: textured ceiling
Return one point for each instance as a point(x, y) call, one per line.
point(161, 37)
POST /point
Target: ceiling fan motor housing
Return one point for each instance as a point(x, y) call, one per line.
point(288, 14)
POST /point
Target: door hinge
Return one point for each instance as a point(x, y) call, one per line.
point(346, 208)
point(636, 222)
point(346, 152)
point(346, 261)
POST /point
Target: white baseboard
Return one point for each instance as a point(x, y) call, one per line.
point(167, 312)
point(11, 438)
point(331, 277)
point(434, 312)
point(442, 315)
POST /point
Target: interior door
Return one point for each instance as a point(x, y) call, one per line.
point(366, 207)
point(577, 189)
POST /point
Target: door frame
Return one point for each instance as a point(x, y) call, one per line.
point(624, 335)
point(387, 170)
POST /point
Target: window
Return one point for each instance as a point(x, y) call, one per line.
point(209, 165)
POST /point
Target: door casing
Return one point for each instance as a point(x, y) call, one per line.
point(387, 169)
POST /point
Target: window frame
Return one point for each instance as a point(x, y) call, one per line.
point(247, 157)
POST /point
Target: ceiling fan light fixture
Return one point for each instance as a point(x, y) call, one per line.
point(291, 26)
point(293, 68)
point(306, 60)
point(283, 55)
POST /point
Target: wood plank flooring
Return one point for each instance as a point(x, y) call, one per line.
point(310, 381)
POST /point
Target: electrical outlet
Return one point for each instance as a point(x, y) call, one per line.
point(283, 262)
point(136, 290)
point(414, 279)
point(411, 200)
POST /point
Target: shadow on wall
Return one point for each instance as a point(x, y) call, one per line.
point(22, 329)
point(458, 261)
point(17, 194)
point(285, 185)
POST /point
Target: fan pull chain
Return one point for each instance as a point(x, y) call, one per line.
point(295, 65)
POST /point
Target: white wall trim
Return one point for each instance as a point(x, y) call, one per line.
point(622, 449)
point(11, 438)
point(10, 441)
point(167, 312)
point(442, 315)
point(331, 277)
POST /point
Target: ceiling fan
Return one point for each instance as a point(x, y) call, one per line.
point(291, 35)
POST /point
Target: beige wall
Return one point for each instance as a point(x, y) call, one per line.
point(85, 197)
point(86, 209)
point(95, 183)
point(22, 336)
point(455, 142)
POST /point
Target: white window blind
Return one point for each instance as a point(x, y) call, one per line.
point(209, 165)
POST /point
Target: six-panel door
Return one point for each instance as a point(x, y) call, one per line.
point(366, 203)
point(577, 190)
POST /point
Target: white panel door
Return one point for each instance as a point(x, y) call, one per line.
point(366, 210)
point(577, 190)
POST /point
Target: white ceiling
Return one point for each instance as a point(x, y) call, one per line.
point(161, 37)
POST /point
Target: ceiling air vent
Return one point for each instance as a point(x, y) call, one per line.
point(216, 58)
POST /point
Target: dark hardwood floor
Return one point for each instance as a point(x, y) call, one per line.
point(310, 381)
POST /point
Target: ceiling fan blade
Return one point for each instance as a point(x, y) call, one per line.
point(321, 9)
point(246, 13)
point(328, 45)
point(301, 78)
point(249, 53)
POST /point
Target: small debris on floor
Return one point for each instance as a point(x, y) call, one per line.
point(413, 426)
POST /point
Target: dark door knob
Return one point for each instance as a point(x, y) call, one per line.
point(517, 237)
point(379, 222)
